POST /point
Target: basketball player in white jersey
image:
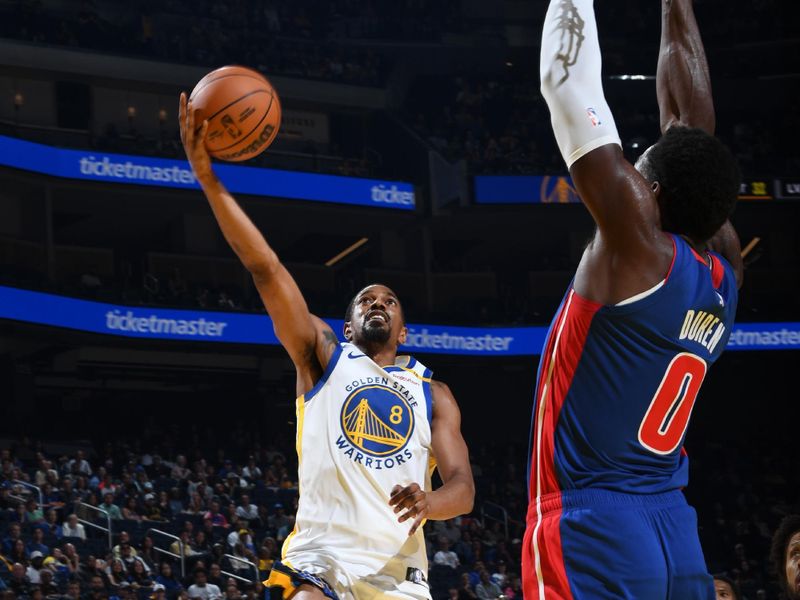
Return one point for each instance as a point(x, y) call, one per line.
point(371, 426)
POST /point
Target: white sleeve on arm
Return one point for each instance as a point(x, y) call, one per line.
point(572, 85)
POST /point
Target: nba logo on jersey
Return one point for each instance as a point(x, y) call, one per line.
point(378, 421)
point(593, 118)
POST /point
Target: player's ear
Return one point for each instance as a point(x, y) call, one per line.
point(401, 339)
point(656, 187)
point(347, 330)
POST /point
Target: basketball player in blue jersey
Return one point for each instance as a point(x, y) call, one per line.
point(649, 310)
point(371, 426)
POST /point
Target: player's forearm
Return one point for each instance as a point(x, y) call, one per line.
point(241, 234)
point(456, 497)
point(571, 79)
point(683, 82)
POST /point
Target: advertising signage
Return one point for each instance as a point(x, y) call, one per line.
point(141, 170)
point(240, 328)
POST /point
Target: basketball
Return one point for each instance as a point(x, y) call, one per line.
point(242, 109)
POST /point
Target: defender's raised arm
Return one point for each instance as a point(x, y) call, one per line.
point(307, 339)
point(628, 254)
point(683, 84)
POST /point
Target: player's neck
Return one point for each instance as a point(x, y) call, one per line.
point(382, 354)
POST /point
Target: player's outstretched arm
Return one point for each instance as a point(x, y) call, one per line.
point(619, 199)
point(683, 82)
point(683, 85)
point(307, 339)
point(457, 494)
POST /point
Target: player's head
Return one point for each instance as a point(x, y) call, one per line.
point(375, 316)
point(698, 181)
point(726, 588)
point(785, 555)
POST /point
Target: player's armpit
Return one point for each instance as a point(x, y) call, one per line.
point(457, 494)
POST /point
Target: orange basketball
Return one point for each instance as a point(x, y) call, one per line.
point(243, 112)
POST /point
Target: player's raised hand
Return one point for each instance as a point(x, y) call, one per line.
point(194, 140)
point(414, 501)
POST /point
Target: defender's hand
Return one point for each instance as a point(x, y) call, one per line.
point(412, 499)
point(194, 141)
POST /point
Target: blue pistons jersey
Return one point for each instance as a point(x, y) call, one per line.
point(617, 384)
point(614, 394)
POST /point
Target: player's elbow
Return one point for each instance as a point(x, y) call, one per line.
point(468, 497)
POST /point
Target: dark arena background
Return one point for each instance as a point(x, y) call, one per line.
point(415, 150)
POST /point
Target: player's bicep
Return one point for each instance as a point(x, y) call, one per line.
point(620, 200)
point(449, 447)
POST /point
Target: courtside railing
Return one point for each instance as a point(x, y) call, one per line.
point(90, 508)
point(495, 512)
point(238, 559)
point(181, 548)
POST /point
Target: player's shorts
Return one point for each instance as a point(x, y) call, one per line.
point(596, 544)
point(284, 580)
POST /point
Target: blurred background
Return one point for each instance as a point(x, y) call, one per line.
point(415, 150)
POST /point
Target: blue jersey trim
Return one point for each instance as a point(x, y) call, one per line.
point(426, 389)
point(328, 370)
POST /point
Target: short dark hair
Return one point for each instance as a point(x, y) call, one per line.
point(780, 539)
point(737, 593)
point(699, 181)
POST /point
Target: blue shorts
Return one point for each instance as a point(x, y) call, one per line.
point(596, 544)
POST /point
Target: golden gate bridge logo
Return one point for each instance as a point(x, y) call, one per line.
point(377, 420)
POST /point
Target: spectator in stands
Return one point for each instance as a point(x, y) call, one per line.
point(215, 575)
point(487, 589)
point(47, 582)
point(216, 517)
point(466, 589)
point(168, 580)
point(514, 590)
point(116, 575)
point(109, 506)
point(147, 554)
point(248, 512)
point(71, 558)
point(33, 512)
point(785, 555)
point(138, 575)
point(201, 589)
point(79, 464)
point(97, 588)
point(14, 534)
point(73, 591)
point(73, 529)
point(182, 547)
point(128, 558)
point(445, 556)
point(19, 553)
point(37, 543)
point(151, 510)
point(124, 538)
point(35, 565)
point(179, 470)
point(726, 588)
point(130, 511)
point(51, 525)
point(159, 592)
point(251, 472)
point(19, 582)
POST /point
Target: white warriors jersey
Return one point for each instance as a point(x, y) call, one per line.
point(361, 430)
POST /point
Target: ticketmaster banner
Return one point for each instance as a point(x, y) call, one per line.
point(239, 328)
point(140, 170)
